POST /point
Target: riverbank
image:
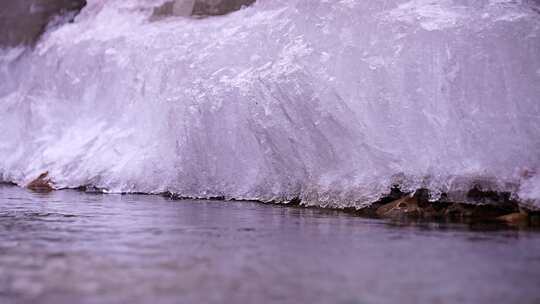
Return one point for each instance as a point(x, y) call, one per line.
point(482, 207)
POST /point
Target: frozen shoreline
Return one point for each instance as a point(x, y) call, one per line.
point(491, 209)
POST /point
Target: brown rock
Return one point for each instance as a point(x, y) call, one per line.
point(485, 212)
point(514, 218)
point(534, 219)
point(403, 207)
point(432, 211)
point(41, 184)
point(458, 211)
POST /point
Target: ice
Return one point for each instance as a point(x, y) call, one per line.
point(329, 101)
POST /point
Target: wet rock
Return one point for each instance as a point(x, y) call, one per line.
point(200, 7)
point(534, 218)
point(475, 212)
point(479, 196)
point(491, 206)
point(403, 207)
point(218, 7)
point(422, 197)
point(516, 218)
point(181, 7)
point(41, 184)
point(488, 212)
point(458, 211)
point(371, 210)
point(23, 21)
point(435, 210)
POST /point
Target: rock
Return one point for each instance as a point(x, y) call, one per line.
point(534, 219)
point(515, 218)
point(218, 7)
point(417, 205)
point(434, 210)
point(41, 184)
point(422, 197)
point(23, 21)
point(403, 207)
point(489, 212)
point(458, 211)
point(475, 212)
point(200, 7)
point(183, 7)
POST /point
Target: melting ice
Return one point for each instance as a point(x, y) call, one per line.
point(330, 101)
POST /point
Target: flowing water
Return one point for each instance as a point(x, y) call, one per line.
point(74, 247)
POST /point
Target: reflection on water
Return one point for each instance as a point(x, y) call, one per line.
point(72, 247)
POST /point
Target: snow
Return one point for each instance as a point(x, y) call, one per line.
point(330, 101)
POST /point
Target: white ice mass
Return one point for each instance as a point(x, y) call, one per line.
point(332, 101)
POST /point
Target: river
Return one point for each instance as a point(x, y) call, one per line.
point(75, 247)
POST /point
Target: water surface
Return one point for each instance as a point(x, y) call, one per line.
point(73, 247)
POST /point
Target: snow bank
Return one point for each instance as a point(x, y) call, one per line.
point(330, 101)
